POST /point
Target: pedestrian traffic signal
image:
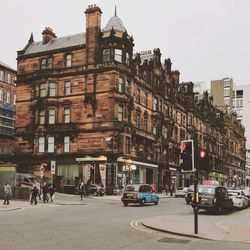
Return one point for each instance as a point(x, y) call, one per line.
point(187, 156)
point(202, 160)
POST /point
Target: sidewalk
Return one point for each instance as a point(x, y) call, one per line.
point(230, 227)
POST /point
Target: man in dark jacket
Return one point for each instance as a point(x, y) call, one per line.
point(34, 192)
point(45, 192)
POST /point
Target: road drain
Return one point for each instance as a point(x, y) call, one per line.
point(173, 240)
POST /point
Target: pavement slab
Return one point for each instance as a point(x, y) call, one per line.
point(228, 227)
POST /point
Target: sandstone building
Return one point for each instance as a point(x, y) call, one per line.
point(7, 111)
point(88, 103)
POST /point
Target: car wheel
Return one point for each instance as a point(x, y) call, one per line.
point(142, 203)
point(125, 204)
point(95, 193)
point(156, 202)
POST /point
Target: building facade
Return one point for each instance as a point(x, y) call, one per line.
point(241, 105)
point(7, 111)
point(103, 113)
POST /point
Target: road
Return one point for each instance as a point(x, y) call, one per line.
point(97, 224)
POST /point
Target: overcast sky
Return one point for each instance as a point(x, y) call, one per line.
point(205, 39)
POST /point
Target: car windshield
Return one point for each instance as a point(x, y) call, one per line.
point(207, 190)
point(132, 188)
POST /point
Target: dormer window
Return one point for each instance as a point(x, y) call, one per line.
point(68, 60)
point(118, 55)
point(106, 55)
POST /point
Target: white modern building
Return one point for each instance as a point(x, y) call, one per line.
point(241, 105)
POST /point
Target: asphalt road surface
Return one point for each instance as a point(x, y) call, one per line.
point(97, 224)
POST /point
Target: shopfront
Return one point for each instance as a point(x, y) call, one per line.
point(133, 172)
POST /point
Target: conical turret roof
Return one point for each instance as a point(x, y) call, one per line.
point(116, 23)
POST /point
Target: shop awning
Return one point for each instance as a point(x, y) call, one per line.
point(101, 158)
point(139, 163)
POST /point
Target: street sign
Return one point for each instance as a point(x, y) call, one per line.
point(53, 167)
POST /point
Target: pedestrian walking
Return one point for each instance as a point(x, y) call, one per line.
point(51, 192)
point(82, 190)
point(38, 186)
point(6, 193)
point(34, 192)
point(171, 190)
point(166, 189)
point(45, 192)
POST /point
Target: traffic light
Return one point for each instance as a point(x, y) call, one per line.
point(187, 156)
point(202, 160)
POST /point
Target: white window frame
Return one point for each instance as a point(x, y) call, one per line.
point(120, 85)
point(1, 75)
point(118, 55)
point(41, 144)
point(66, 144)
point(51, 144)
point(1, 95)
point(8, 97)
point(42, 117)
point(67, 88)
point(120, 113)
point(66, 115)
point(42, 90)
point(8, 78)
point(52, 89)
point(68, 60)
point(52, 116)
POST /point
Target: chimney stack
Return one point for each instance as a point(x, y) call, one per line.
point(93, 30)
point(48, 34)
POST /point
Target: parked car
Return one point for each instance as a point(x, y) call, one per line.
point(139, 193)
point(180, 192)
point(239, 198)
point(189, 194)
point(96, 190)
point(214, 198)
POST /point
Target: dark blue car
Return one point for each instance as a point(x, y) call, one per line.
point(139, 193)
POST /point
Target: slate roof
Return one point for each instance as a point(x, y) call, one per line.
point(57, 43)
point(116, 23)
point(6, 66)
